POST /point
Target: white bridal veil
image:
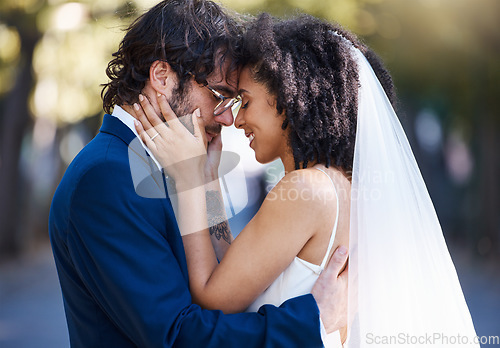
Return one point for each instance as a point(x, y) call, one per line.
point(403, 287)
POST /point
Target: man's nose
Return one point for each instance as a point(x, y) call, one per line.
point(226, 118)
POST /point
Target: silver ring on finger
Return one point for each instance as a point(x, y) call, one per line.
point(154, 136)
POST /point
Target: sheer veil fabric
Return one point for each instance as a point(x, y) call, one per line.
point(403, 286)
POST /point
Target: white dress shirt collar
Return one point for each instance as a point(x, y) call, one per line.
point(128, 120)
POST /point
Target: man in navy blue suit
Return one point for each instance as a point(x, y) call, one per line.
point(115, 240)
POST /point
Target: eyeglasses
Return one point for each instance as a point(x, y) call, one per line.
point(225, 102)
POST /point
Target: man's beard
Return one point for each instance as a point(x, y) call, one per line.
point(181, 106)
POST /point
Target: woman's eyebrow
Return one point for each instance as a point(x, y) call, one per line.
point(241, 91)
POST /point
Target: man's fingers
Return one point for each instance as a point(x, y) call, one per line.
point(345, 272)
point(337, 261)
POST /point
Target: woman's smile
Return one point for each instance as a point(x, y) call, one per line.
point(250, 137)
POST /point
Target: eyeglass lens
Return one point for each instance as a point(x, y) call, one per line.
point(233, 103)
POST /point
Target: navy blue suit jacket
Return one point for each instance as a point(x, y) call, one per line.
point(122, 268)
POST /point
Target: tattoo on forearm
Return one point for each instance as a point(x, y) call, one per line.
point(221, 231)
point(217, 220)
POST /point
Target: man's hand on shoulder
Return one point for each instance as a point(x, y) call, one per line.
point(330, 292)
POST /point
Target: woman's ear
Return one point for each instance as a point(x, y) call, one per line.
point(161, 77)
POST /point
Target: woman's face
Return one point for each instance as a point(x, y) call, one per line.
point(260, 120)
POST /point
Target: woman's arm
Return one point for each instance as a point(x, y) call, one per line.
point(218, 226)
point(263, 249)
point(220, 232)
point(287, 219)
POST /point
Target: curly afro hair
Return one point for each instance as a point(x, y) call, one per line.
point(314, 78)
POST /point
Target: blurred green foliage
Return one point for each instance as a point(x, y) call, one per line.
point(443, 54)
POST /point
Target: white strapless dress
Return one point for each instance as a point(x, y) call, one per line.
point(298, 279)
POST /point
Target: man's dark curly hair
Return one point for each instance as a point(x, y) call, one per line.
point(193, 36)
point(314, 77)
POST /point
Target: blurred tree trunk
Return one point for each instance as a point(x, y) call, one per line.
point(489, 168)
point(490, 186)
point(16, 120)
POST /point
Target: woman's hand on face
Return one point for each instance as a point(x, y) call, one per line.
point(182, 154)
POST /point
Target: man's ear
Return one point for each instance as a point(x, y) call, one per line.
point(162, 78)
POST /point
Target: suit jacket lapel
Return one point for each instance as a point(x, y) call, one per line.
point(141, 175)
point(148, 181)
point(114, 126)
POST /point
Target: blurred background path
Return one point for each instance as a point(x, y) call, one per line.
point(31, 307)
point(32, 314)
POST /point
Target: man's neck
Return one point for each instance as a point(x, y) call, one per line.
point(129, 109)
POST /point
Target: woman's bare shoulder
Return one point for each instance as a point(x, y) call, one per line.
point(303, 187)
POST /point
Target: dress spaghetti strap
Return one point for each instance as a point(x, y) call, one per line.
point(334, 231)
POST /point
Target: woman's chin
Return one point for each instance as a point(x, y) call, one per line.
point(263, 159)
point(259, 158)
